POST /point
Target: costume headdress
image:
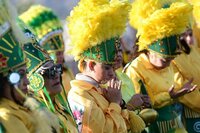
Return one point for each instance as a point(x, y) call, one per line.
point(46, 26)
point(95, 27)
point(11, 39)
point(160, 27)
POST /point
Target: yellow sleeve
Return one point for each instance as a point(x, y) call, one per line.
point(157, 100)
point(162, 99)
point(12, 124)
point(111, 119)
point(134, 122)
point(135, 78)
point(98, 115)
point(192, 99)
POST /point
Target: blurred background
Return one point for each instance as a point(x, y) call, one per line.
point(62, 8)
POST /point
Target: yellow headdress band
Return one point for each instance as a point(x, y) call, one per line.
point(95, 21)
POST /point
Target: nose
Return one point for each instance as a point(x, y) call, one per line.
point(112, 73)
point(26, 81)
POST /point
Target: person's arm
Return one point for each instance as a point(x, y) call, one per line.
point(157, 101)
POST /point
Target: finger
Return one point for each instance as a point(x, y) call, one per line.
point(112, 83)
point(171, 89)
point(115, 86)
point(109, 83)
point(193, 88)
point(119, 86)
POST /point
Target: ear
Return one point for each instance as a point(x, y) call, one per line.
point(91, 65)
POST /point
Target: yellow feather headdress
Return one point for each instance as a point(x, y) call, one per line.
point(164, 22)
point(95, 21)
point(141, 9)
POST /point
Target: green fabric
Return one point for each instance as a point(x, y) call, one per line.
point(42, 17)
point(104, 52)
point(55, 43)
point(36, 56)
point(127, 87)
point(11, 55)
point(2, 129)
point(166, 47)
point(192, 125)
point(164, 114)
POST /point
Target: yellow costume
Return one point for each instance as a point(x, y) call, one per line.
point(67, 76)
point(48, 31)
point(94, 113)
point(94, 29)
point(188, 66)
point(49, 34)
point(31, 116)
point(158, 24)
point(157, 83)
point(13, 114)
point(67, 119)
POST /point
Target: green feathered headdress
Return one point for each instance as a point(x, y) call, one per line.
point(95, 27)
point(46, 26)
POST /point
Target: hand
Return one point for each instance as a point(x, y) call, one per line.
point(113, 92)
point(138, 101)
point(187, 88)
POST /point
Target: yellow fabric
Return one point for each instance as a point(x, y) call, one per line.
point(189, 65)
point(156, 82)
point(15, 118)
point(67, 76)
point(67, 120)
point(100, 115)
point(127, 87)
point(191, 100)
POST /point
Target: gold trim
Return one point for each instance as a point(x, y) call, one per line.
point(48, 38)
point(54, 51)
point(12, 39)
point(105, 62)
point(39, 65)
point(32, 56)
point(11, 68)
point(55, 42)
point(9, 51)
point(165, 126)
point(190, 113)
point(62, 40)
point(8, 43)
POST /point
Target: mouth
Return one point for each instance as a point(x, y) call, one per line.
point(57, 83)
point(25, 90)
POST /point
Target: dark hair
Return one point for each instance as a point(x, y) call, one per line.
point(184, 46)
point(3, 80)
point(136, 53)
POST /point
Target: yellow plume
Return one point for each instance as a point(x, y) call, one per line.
point(94, 21)
point(165, 22)
point(141, 9)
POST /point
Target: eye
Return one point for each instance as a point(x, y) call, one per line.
point(107, 67)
